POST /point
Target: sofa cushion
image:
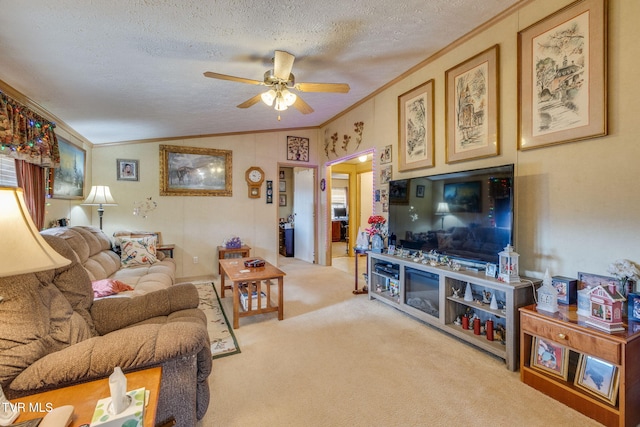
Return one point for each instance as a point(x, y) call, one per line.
point(138, 251)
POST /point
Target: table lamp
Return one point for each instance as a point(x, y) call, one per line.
point(23, 250)
point(442, 210)
point(100, 196)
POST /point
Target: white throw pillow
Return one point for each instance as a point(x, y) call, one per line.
point(138, 251)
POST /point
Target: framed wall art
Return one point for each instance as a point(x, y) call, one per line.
point(472, 108)
point(549, 357)
point(562, 93)
point(195, 171)
point(282, 200)
point(67, 181)
point(598, 378)
point(127, 170)
point(297, 148)
point(415, 128)
point(386, 155)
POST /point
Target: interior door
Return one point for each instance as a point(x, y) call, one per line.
point(304, 214)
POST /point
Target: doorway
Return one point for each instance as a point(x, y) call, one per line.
point(296, 198)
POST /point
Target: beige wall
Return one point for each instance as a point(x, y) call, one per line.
point(577, 203)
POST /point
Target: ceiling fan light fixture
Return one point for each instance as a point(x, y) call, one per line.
point(289, 97)
point(268, 97)
point(281, 104)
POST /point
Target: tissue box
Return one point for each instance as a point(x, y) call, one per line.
point(132, 416)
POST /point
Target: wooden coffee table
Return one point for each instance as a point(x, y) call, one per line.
point(252, 279)
point(85, 396)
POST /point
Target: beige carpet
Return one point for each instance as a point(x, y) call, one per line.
point(338, 359)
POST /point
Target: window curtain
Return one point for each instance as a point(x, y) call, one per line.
point(31, 179)
point(24, 135)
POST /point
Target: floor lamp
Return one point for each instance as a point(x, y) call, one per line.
point(23, 251)
point(442, 210)
point(100, 196)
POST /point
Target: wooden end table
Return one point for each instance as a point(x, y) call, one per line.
point(241, 252)
point(85, 396)
point(167, 249)
point(253, 278)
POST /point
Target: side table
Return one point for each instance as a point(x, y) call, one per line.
point(167, 249)
point(85, 396)
point(358, 252)
point(241, 252)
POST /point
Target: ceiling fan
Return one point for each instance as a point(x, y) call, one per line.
point(280, 81)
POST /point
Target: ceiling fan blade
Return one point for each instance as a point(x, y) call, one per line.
point(302, 106)
point(232, 78)
point(282, 64)
point(323, 87)
point(251, 101)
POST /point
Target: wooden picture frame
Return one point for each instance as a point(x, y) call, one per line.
point(472, 107)
point(297, 148)
point(416, 128)
point(282, 200)
point(67, 181)
point(195, 171)
point(549, 357)
point(282, 186)
point(386, 155)
point(598, 378)
point(562, 76)
point(127, 170)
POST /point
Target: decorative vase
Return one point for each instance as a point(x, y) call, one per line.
point(377, 244)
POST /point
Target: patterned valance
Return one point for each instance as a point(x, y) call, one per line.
point(25, 135)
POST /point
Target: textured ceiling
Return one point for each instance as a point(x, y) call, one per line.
point(125, 70)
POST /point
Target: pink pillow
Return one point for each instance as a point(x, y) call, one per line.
point(106, 287)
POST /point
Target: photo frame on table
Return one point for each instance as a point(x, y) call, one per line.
point(195, 171)
point(472, 107)
point(127, 170)
point(297, 148)
point(549, 357)
point(416, 128)
point(562, 63)
point(67, 181)
point(597, 377)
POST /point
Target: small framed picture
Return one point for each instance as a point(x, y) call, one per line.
point(567, 289)
point(633, 307)
point(598, 378)
point(491, 270)
point(282, 199)
point(269, 192)
point(391, 250)
point(549, 357)
point(419, 190)
point(127, 170)
point(283, 186)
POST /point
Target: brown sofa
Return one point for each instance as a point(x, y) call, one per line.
point(54, 334)
point(96, 254)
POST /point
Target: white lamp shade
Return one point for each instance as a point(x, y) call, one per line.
point(442, 209)
point(100, 195)
point(23, 249)
point(268, 97)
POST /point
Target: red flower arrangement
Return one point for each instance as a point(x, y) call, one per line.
point(377, 224)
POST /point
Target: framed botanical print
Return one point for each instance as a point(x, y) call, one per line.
point(297, 148)
point(195, 171)
point(415, 128)
point(472, 108)
point(67, 181)
point(562, 92)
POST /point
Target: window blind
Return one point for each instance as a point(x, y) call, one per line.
point(8, 172)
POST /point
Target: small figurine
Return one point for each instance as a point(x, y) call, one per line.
point(457, 322)
point(456, 292)
point(486, 297)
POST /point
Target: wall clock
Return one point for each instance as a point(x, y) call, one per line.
point(254, 177)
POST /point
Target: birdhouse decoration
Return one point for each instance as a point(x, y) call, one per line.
point(606, 308)
point(508, 265)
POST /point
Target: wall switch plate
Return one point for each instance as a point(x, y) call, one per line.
point(195, 259)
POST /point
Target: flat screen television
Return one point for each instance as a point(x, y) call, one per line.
point(465, 215)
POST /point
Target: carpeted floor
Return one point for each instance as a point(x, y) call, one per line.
point(339, 359)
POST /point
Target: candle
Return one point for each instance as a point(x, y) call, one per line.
point(489, 328)
point(465, 322)
point(476, 326)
